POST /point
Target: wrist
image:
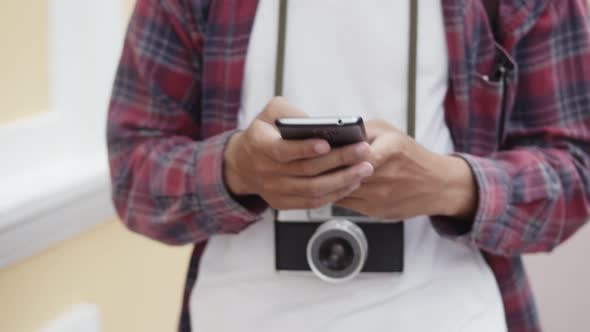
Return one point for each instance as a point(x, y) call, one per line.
point(233, 180)
point(459, 196)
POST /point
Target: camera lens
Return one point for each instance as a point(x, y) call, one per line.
point(336, 254)
point(337, 251)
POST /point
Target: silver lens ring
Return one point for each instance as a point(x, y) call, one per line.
point(345, 236)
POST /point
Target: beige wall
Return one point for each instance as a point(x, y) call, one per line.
point(128, 5)
point(136, 283)
point(24, 82)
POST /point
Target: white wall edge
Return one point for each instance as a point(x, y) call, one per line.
point(44, 228)
point(82, 317)
point(54, 173)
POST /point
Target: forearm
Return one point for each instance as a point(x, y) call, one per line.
point(167, 179)
point(529, 200)
point(458, 196)
point(534, 193)
point(172, 188)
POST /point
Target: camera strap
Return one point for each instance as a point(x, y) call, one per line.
point(412, 60)
point(393, 232)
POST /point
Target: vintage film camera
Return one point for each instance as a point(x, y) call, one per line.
point(337, 244)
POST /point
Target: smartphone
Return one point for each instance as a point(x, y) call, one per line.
point(338, 131)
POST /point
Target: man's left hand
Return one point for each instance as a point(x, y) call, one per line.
point(410, 180)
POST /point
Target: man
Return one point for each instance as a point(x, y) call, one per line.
point(498, 167)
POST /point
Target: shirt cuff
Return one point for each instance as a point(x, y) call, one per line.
point(231, 214)
point(485, 230)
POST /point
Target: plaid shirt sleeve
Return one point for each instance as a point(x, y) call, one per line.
point(167, 182)
point(535, 192)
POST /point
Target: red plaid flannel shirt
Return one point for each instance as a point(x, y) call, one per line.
point(177, 94)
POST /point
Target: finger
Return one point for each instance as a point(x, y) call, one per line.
point(279, 107)
point(337, 158)
point(267, 140)
point(328, 183)
point(286, 151)
point(299, 202)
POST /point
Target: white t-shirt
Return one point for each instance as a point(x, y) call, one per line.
point(347, 57)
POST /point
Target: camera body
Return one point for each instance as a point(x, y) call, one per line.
point(336, 243)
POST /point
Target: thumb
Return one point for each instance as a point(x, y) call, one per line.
point(279, 107)
point(384, 146)
point(376, 128)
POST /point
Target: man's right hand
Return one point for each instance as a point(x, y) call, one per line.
point(291, 174)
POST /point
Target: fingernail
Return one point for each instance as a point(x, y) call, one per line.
point(366, 170)
point(355, 186)
point(321, 148)
point(361, 150)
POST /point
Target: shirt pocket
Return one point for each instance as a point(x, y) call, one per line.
point(493, 89)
